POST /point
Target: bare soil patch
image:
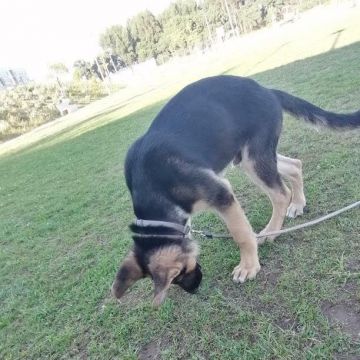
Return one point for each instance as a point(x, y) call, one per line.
point(345, 315)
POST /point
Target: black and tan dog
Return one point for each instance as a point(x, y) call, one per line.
point(175, 170)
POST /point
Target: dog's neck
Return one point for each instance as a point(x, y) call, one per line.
point(162, 210)
point(159, 209)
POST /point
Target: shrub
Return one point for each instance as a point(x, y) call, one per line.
point(26, 107)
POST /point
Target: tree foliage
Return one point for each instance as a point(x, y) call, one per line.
point(183, 28)
point(186, 24)
point(145, 31)
point(119, 40)
point(101, 67)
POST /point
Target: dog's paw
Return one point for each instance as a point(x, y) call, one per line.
point(295, 209)
point(243, 272)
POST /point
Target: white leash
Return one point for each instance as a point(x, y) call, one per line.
point(311, 223)
point(284, 231)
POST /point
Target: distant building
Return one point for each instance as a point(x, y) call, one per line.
point(65, 107)
point(12, 77)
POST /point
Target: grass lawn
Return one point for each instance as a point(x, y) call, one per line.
point(63, 231)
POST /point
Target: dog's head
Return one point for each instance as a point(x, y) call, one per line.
point(166, 265)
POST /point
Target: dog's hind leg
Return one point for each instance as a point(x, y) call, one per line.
point(218, 194)
point(261, 167)
point(291, 170)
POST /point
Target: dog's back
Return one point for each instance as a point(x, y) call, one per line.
point(210, 120)
point(208, 123)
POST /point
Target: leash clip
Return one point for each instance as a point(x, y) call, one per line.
point(204, 233)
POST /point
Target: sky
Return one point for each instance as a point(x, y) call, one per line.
point(37, 33)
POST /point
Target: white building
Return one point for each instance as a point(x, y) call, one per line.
point(12, 77)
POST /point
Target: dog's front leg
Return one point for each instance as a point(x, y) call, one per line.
point(217, 194)
point(243, 235)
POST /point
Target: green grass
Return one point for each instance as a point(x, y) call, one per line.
point(63, 231)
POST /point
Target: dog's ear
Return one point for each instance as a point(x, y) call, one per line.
point(162, 281)
point(128, 274)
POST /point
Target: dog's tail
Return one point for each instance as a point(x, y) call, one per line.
point(302, 109)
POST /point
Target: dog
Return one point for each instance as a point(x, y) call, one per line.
point(176, 170)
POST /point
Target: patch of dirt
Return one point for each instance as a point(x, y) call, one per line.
point(270, 275)
point(150, 351)
point(129, 300)
point(267, 279)
point(346, 357)
point(136, 296)
point(353, 265)
point(79, 347)
point(141, 293)
point(346, 315)
point(288, 323)
point(352, 289)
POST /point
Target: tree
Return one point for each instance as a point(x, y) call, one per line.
point(216, 13)
point(82, 69)
point(119, 40)
point(113, 62)
point(146, 31)
point(59, 70)
point(183, 27)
